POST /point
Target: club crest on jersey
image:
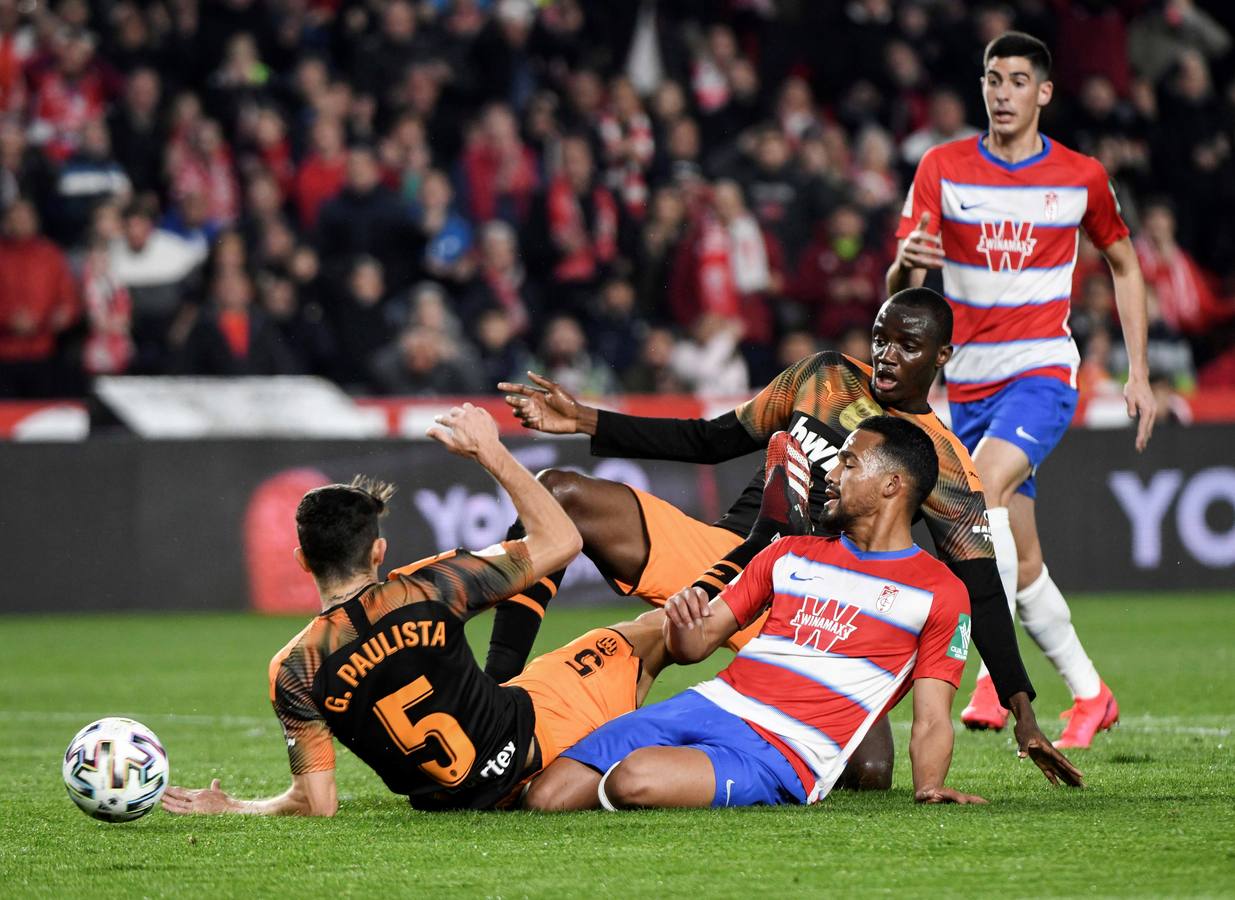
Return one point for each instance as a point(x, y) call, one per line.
point(823, 620)
point(1050, 206)
point(887, 598)
point(862, 408)
point(1007, 244)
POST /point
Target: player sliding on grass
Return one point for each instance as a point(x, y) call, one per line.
point(1000, 214)
point(849, 625)
point(654, 549)
point(385, 667)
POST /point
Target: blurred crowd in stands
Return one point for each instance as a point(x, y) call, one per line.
point(669, 195)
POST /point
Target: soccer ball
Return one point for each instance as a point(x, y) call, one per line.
point(115, 769)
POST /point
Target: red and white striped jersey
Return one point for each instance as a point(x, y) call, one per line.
point(1010, 238)
point(848, 632)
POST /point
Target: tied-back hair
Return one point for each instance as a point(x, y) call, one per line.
point(907, 449)
point(337, 525)
point(1018, 43)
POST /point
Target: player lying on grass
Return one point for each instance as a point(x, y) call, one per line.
point(653, 549)
point(853, 622)
point(385, 667)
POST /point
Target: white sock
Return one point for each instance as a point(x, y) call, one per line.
point(600, 789)
point(1047, 619)
point(1005, 560)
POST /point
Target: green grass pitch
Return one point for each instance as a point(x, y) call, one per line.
point(1158, 817)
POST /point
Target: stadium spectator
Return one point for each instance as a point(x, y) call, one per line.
point(499, 173)
point(365, 218)
point(231, 336)
point(945, 122)
point(137, 131)
point(322, 172)
point(1187, 294)
point(598, 133)
point(447, 235)
point(300, 329)
point(361, 318)
point(563, 357)
point(708, 362)
point(108, 347)
point(839, 278)
point(154, 265)
point(731, 268)
point(501, 352)
point(653, 372)
point(501, 281)
point(38, 301)
point(577, 223)
point(614, 325)
point(422, 361)
point(90, 176)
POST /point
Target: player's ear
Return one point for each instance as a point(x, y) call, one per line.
point(378, 554)
point(298, 555)
point(892, 484)
point(1046, 90)
point(944, 354)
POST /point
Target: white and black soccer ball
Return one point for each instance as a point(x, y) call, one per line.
point(115, 769)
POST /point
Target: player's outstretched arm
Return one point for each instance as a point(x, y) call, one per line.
point(1134, 320)
point(552, 539)
point(546, 406)
point(696, 627)
point(930, 743)
point(311, 794)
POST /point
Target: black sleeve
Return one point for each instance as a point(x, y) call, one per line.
point(683, 440)
point(993, 632)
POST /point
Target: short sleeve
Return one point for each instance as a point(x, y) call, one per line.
point(310, 746)
point(943, 645)
point(752, 590)
point(469, 582)
point(1102, 222)
point(923, 197)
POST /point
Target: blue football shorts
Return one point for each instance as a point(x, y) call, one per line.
point(1032, 413)
point(749, 771)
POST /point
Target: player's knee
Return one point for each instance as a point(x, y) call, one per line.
point(634, 782)
point(565, 486)
point(555, 791)
point(1028, 570)
point(867, 775)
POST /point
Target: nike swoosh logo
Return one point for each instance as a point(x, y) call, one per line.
point(1021, 433)
point(794, 576)
point(966, 206)
point(728, 788)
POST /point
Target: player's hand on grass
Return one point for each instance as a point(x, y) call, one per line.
point(1141, 406)
point(946, 795)
point(547, 407)
point(688, 608)
point(203, 802)
point(921, 249)
point(466, 430)
point(1032, 743)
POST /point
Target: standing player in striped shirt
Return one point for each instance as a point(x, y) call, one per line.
point(999, 214)
point(854, 622)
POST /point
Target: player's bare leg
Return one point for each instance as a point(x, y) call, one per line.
point(1003, 467)
point(870, 766)
point(570, 785)
point(661, 777)
point(1045, 615)
point(611, 523)
point(608, 518)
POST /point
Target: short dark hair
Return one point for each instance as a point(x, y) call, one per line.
point(1018, 43)
point(909, 449)
point(933, 304)
point(337, 525)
